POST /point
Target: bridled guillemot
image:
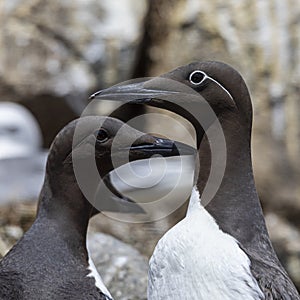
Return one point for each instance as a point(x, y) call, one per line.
point(235, 207)
point(51, 260)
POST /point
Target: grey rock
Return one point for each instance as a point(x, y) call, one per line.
point(122, 268)
point(286, 240)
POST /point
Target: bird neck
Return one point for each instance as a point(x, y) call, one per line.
point(67, 209)
point(236, 205)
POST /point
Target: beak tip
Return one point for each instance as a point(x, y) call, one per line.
point(93, 96)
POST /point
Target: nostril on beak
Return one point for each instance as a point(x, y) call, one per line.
point(159, 141)
point(164, 143)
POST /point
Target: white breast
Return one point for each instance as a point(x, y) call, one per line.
point(98, 280)
point(196, 260)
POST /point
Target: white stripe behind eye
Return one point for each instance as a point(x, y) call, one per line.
point(221, 86)
point(208, 77)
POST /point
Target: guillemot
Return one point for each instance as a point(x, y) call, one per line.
point(235, 206)
point(51, 260)
point(195, 259)
point(22, 159)
point(20, 134)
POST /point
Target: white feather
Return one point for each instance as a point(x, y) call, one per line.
point(98, 280)
point(196, 260)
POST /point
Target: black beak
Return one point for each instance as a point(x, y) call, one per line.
point(148, 91)
point(107, 198)
point(148, 146)
point(160, 146)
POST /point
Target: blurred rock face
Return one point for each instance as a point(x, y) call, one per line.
point(66, 47)
point(54, 54)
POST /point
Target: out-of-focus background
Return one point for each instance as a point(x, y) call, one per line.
point(54, 54)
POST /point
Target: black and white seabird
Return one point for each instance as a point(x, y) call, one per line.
point(234, 216)
point(22, 159)
point(20, 134)
point(51, 260)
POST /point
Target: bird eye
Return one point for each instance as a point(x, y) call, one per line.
point(102, 136)
point(197, 77)
point(12, 129)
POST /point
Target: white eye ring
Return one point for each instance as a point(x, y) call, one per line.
point(102, 135)
point(204, 77)
point(207, 77)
